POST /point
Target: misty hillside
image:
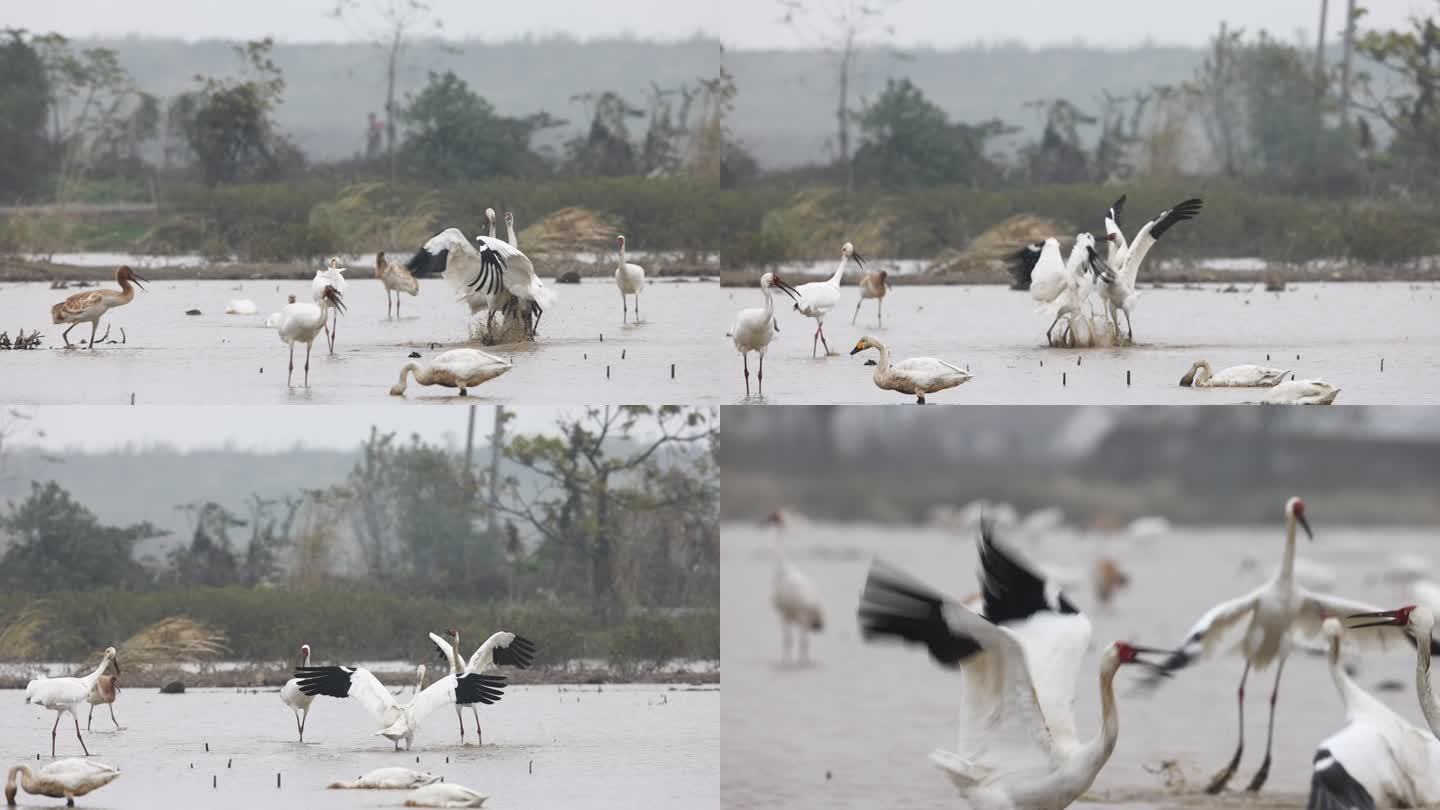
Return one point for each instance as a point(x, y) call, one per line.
point(330, 87)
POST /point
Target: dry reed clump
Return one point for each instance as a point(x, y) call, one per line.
point(991, 248)
point(816, 224)
point(569, 230)
point(367, 216)
point(173, 640)
point(20, 637)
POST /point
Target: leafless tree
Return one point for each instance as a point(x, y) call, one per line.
point(843, 29)
point(389, 25)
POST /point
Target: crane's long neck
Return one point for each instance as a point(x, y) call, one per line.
point(419, 680)
point(99, 670)
point(1343, 684)
point(305, 659)
point(510, 234)
point(1097, 752)
point(839, 272)
point(768, 309)
point(622, 255)
point(1428, 702)
point(455, 666)
point(1287, 562)
point(491, 226)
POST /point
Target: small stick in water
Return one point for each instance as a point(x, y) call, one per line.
point(1127, 376)
point(277, 779)
point(532, 766)
point(1062, 379)
point(672, 371)
point(607, 372)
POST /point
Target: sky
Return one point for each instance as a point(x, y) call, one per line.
point(263, 428)
point(738, 23)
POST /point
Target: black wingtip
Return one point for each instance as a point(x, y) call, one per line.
point(1021, 265)
point(896, 605)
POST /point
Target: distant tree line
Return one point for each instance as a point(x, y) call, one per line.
point(626, 519)
point(1265, 113)
point(68, 116)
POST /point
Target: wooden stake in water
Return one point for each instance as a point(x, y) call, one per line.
point(132, 397)
point(1382, 364)
point(607, 372)
point(207, 747)
point(622, 354)
point(1077, 359)
point(602, 337)
point(672, 371)
point(1062, 379)
point(532, 766)
point(229, 762)
point(214, 781)
point(1127, 377)
point(277, 780)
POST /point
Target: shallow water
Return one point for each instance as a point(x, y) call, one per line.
point(854, 729)
point(213, 358)
point(623, 747)
point(1339, 331)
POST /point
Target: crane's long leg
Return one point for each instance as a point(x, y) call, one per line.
point(76, 718)
point(1049, 338)
point(624, 308)
point(1218, 783)
point(1261, 775)
point(821, 332)
point(290, 376)
point(760, 377)
point(118, 727)
point(65, 336)
point(880, 312)
point(479, 737)
point(53, 731)
point(745, 359)
point(334, 331)
point(308, 346)
point(94, 327)
point(637, 307)
point(857, 311)
point(91, 717)
point(460, 715)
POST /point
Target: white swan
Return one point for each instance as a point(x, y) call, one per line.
point(240, 306)
point(1201, 375)
point(445, 795)
point(388, 779)
point(916, 376)
point(1302, 392)
point(64, 779)
point(457, 368)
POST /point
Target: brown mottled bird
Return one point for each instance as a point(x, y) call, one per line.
point(89, 307)
point(395, 277)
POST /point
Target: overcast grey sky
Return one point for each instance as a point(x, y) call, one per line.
point(739, 23)
point(96, 427)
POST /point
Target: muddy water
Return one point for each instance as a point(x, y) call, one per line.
point(854, 729)
point(173, 358)
point(545, 747)
point(1340, 332)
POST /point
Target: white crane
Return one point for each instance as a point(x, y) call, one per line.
point(1378, 758)
point(298, 701)
point(456, 368)
point(388, 779)
point(394, 277)
point(63, 779)
point(90, 307)
point(445, 794)
point(795, 597)
point(816, 299)
point(301, 322)
point(1301, 392)
point(916, 376)
point(1420, 623)
point(1018, 746)
point(61, 695)
point(874, 284)
point(1115, 244)
point(630, 278)
point(399, 721)
point(1273, 616)
point(1119, 288)
point(1201, 375)
point(331, 275)
point(491, 267)
point(1061, 288)
point(755, 327)
point(501, 649)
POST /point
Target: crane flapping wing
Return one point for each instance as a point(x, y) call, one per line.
point(447, 652)
point(1021, 264)
point(1156, 228)
point(502, 649)
point(1207, 635)
point(1050, 629)
point(467, 689)
point(342, 682)
point(1001, 722)
point(1315, 608)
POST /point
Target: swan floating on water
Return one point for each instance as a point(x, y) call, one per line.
point(389, 779)
point(63, 779)
point(240, 306)
point(1302, 392)
point(916, 376)
point(457, 368)
point(1201, 375)
point(445, 795)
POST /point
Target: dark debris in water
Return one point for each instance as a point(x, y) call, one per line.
point(21, 340)
point(415, 354)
